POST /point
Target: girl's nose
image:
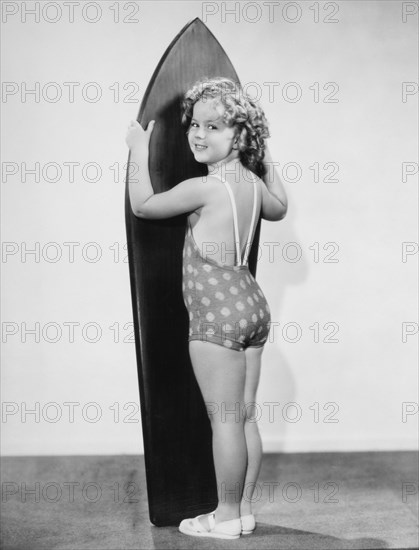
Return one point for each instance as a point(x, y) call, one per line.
point(200, 133)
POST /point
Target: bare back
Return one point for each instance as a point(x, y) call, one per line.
point(213, 224)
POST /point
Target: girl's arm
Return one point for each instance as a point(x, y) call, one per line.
point(187, 196)
point(139, 183)
point(273, 182)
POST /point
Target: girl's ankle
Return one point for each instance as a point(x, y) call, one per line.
point(245, 508)
point(225, 516)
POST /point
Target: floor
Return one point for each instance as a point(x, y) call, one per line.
point(304, 501)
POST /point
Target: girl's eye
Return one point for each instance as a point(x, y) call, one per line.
point(195, 124)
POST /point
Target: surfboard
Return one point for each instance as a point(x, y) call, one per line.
point(177, 436)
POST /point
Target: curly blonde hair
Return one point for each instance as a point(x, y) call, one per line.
point(241, 112)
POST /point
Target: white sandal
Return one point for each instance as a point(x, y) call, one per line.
point(248, 524)
point(230, 529)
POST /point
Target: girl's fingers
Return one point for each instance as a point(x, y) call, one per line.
point(136, 123)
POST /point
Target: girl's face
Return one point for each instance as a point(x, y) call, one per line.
point(210, 139)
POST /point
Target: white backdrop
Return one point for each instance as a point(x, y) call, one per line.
point(340, 367)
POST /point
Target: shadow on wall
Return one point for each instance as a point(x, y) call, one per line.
point(277, 272)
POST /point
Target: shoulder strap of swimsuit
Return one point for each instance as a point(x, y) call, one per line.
point(235, 222)
point(247, 248)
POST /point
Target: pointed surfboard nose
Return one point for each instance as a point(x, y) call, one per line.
point(194, 53)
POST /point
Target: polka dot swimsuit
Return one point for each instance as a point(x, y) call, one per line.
point(226, 305)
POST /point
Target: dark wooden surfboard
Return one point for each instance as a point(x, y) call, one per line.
point(176, 430)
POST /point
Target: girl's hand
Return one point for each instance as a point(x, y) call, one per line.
point(136, 137)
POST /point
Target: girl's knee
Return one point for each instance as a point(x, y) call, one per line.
point(252, 410)
point(226, 413)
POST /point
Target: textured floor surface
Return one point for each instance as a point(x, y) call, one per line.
point(304, 501)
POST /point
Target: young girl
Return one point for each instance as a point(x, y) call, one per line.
point(229, 316)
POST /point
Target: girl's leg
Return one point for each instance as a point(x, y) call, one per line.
point(251, 430)
point(221, 375)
